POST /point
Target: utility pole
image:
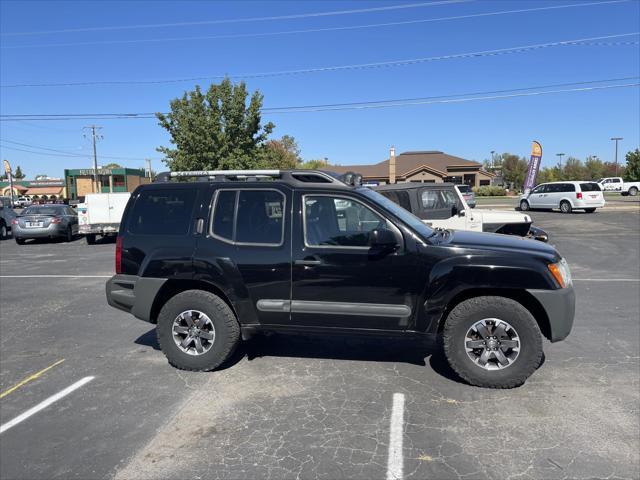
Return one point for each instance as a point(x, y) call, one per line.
point(560, 155)
point(95, 137)
point(148, 160)
point(616, 139)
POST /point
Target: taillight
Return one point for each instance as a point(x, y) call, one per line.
point(14, 221)
point(119, 254)
point(56, 220)
point(579, 195)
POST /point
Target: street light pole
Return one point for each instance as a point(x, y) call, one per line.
point(560, 155)
point(616, 139)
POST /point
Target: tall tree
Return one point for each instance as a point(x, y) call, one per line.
point(514, 169)
point(573, 169)
point(283, 153)
point(112, 165)
point(594, 168)
point(632, 170)
point(18, 175)
point(215, 129)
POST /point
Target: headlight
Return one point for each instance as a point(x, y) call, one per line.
point(561, 273)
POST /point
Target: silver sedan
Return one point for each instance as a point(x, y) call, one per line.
point(45, 221)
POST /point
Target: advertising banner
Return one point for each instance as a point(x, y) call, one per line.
point(534, 166)
point(7, 169)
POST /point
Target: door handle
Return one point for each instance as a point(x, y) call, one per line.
point(308, 262)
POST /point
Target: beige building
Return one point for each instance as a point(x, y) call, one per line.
point(421, 166)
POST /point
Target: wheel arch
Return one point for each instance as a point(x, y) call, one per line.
point(173, 287)
point(523, 297)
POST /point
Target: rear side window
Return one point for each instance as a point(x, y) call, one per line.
point(162, 212)
point(249, 216)
point(399, 198)
point(590, 187)
point(568, 187)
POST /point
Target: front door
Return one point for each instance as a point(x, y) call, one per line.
point(536, 198)
point(338, 280)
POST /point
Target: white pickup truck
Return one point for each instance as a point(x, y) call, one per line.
point(100, 214)
point(617, 184)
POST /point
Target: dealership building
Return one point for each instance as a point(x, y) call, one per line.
point(79, 182)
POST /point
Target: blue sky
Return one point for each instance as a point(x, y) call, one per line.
point(578, 123)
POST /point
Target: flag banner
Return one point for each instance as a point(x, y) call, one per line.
point(534, 166)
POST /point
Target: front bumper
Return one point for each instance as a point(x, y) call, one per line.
point(560, 307)
point(53, 230)
point(133, 294)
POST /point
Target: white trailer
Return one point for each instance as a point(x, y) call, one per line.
point(100, 214)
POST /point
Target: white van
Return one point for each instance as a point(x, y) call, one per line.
point(100, 214)
point(566, 196)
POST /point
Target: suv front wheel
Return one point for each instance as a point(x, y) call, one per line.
point(197, 330)
point(492, 342)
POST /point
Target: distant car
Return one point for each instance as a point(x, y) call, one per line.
point(6, 217)
point(565, 196)
point(45, 221)
point(617, 184)
point(23, 202)
point(468, 195)
point(441, 205)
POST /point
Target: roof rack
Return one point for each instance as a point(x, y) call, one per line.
point(304, 176)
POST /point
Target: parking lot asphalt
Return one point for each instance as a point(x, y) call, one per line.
point(313, 407)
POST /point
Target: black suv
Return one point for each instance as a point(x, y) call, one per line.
point(238, 252)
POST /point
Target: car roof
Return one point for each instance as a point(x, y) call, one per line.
point(569, 181)
point(412, 185)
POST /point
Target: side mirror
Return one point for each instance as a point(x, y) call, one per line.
point(382, 238)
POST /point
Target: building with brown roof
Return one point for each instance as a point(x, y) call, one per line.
point(428, 166)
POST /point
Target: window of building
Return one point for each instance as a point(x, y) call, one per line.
point(484, 183)
point(162, 211)
point(249, 216)
point(118, 181)
point(338, 222)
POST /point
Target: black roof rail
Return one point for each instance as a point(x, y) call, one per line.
point(301, 175)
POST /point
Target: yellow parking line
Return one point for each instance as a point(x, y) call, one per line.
point(29, 379)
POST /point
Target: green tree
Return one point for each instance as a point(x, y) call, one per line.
point(316, 164)
point(281, 154)
point(514, 169)
point(215, 129)
point(112, 165)
point(594, 168)
point(632, 170)
point(18, 175)
point(573, 169)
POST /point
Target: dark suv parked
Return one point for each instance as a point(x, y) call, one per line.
point(235, 253)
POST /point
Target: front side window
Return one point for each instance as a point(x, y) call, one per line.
point(249, 216)
point(438, 199)
point(539, 189)
point(338, 222)
point(162, 212)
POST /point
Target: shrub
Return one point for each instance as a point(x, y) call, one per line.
point(489, 191)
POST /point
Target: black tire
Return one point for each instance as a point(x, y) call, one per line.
point(565, 206)
point(227, 330)
point(633, 191)
point(589, 210)
point(468, 313)
point(91, 239)
point(20, 241)
point(4, 233)
point(524, 205)
point(68, 235)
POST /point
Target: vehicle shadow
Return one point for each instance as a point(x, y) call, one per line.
point(414, 351)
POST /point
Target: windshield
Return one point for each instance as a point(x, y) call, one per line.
point(45, 210)
point(410, 219)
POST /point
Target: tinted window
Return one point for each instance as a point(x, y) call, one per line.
point(615, 180)
point(48, 210)
point(590, 187)
point(260, 217)
point(464, 188)
point(540, 189)
point(568, 187)
point(223, 214)
point(400, 198)
point(330, 221)
point(162, 212)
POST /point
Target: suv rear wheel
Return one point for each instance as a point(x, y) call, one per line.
point(197, 330)
point(492, 342)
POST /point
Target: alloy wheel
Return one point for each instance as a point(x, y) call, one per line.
point(492, 344)
point(193, 332)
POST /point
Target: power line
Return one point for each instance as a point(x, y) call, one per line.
point(65, 153)
point(314, 30)
point(591, 41)
point(238, 20)
point(485, 95)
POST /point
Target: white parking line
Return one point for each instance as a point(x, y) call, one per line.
point(395, 460)
point(44, 404)
point(55, 276)
point(606, 279)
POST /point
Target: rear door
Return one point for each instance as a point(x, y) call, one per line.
point(117, 204)
point(97, 208)
point(591, 193)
